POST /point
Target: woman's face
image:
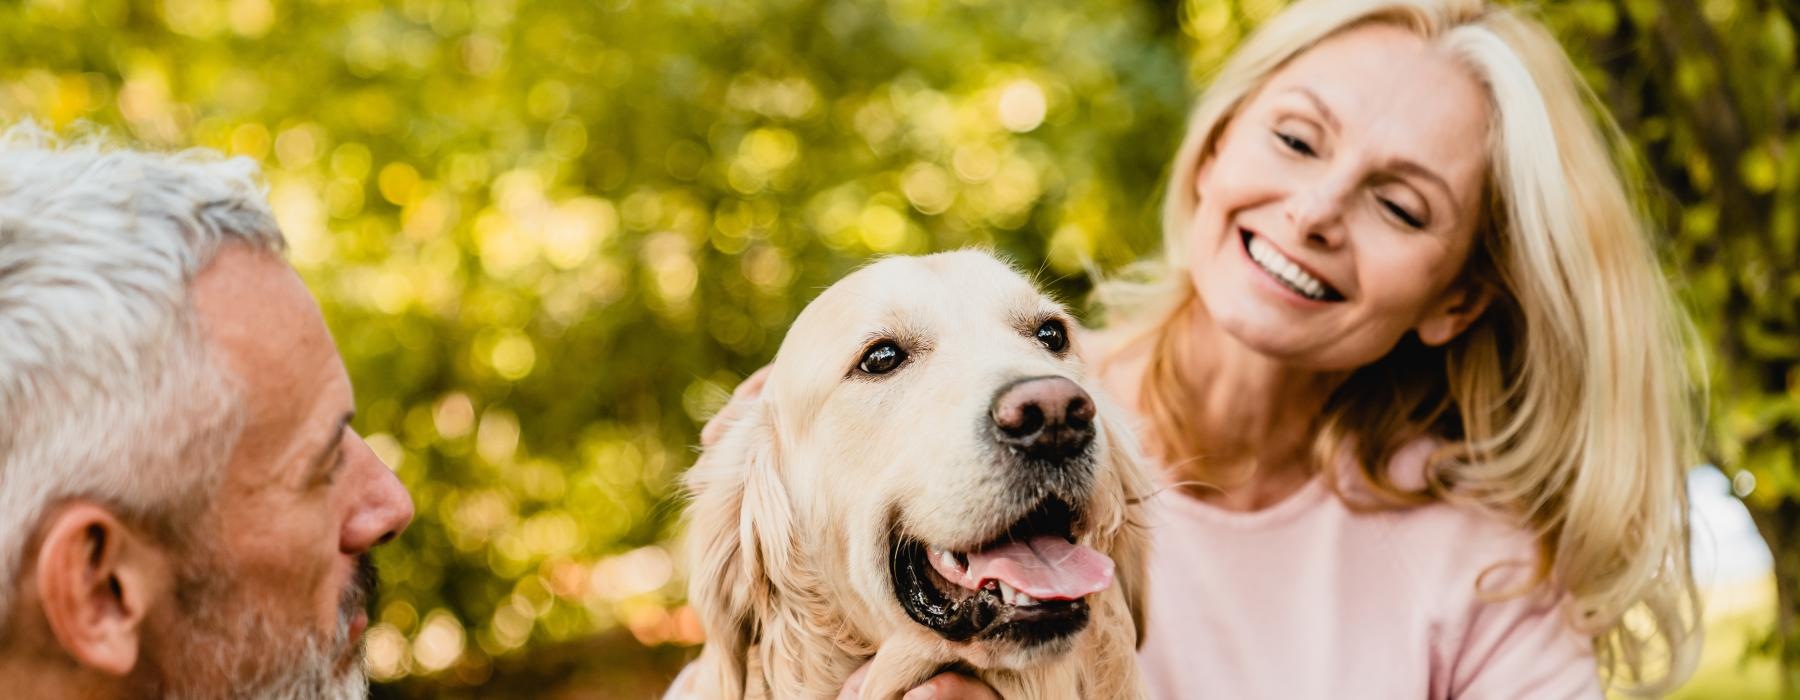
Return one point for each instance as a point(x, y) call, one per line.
point(1339, 204)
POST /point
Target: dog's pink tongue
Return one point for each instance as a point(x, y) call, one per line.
point(1044, 567)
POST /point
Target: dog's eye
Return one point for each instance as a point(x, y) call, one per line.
point(1053, 335)
point(883, 358)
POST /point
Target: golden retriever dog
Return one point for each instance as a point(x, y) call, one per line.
point(923, 481)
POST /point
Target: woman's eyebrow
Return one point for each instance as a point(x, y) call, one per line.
point(1318, 104)
point(1407, 167)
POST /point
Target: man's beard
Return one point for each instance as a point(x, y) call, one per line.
point(227, 646)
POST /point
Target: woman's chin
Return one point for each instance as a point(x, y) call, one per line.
point(1320, 346)
point(1273, 343)
point(1257, 324)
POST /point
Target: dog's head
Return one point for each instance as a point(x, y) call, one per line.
point(924, 459)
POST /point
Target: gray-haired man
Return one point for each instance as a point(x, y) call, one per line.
point(184, 509)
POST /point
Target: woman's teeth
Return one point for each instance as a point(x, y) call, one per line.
point(1285, 270)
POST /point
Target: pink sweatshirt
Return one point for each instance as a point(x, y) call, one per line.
point(1308, 599)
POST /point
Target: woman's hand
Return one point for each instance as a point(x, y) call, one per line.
point(943, 686)
point(746, 391)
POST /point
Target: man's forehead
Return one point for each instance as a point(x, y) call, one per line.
point(262, 325)
point(253, 306)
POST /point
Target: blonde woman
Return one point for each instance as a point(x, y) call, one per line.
point(1411, 374)
point(1416, 371)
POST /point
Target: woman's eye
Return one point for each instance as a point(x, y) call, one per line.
point(1053, 335)
point(1296, 144)
point(882, 358)
point(1402, 214)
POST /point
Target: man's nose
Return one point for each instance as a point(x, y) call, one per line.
point(381, 507)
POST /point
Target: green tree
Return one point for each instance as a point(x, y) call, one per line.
point(1709, 93)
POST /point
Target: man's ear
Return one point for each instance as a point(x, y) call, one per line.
point(1455, 312)
point(97, 580)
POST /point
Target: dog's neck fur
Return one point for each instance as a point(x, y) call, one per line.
point(787, 659)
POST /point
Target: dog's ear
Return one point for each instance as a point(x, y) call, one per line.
point(737, 507)
point(1129, 489)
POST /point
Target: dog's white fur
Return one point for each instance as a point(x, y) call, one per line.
point(789, 524)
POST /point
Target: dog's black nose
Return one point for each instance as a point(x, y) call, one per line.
point(1047, 418)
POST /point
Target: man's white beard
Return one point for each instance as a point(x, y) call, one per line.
point(305, 680)
point(228, 648)
point(257, 661)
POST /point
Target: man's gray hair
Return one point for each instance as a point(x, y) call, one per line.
point(106, 391)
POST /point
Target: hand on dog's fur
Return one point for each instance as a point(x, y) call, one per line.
point(952, 686)
point(944, 686)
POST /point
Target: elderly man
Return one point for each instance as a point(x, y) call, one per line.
point(185, 510)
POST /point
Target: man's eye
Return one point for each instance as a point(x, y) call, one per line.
point(884, 357)
point(1053, 335)
point(335, 464)
point(1295, 144)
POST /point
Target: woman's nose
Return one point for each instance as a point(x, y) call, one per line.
point(1316, 211)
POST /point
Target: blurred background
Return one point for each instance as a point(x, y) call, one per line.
point(551, 236)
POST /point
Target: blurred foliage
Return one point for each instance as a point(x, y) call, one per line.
point(550, 235)
point(1708, 93)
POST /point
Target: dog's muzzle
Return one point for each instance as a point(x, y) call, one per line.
point(1029, 580)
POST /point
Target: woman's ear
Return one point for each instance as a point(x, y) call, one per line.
point(1460, 306)
point(97, 581)
point(736, 504)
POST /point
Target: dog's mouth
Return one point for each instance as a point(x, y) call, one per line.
point(1027, 584)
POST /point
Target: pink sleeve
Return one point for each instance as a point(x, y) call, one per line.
point(1519, 647)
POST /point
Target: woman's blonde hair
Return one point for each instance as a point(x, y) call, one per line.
point(1569, 404)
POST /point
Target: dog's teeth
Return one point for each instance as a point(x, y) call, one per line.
point(948, 560)
point(1022, 600)
point(1007, 594)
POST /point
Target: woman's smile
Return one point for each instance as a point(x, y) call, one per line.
point(1294, 280)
